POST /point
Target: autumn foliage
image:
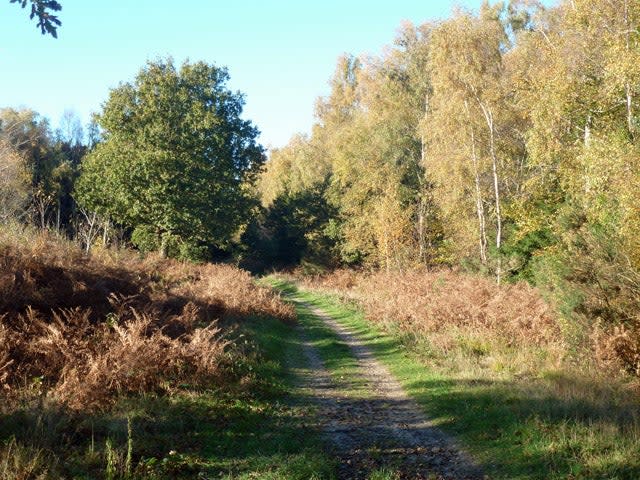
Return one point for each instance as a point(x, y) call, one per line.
point(84, 330)
point(427, 302)
point(436, 301)
point(451, 309)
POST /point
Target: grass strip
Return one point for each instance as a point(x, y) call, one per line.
point(337, 356)
point(271, 440)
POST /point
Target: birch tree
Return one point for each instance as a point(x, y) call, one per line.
point(464, 127)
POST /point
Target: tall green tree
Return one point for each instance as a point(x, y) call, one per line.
point(177, 160)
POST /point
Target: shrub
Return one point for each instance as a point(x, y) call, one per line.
point(85, 330)
point(436, 301)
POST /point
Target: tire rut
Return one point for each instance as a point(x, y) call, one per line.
point(385, 428)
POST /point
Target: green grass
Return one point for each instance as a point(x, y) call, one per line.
point(516, 429)
point(250, 431)
point(267, 439)
point(336, 355)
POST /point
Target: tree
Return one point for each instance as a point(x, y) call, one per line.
point(14, 183)
point(298, 166)
point(294, 227)
point(294, 222)
point(370, 126)
point(472, 141)
point(47, 22)
point(30, 136)
point(364, 158)
point(176, 161)
point(577, 77)
point(70, 130)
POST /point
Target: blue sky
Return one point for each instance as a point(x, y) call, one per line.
point(280, 53)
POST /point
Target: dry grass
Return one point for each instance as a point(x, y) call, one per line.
point(18, 462)
point(86, 366)
point(432, 303)
point(224, 285)
point(617, 347)
point(488, 329)
point(468, 327)
point(84, 330)
point(435, 301)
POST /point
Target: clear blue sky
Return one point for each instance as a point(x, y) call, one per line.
point(280, 53)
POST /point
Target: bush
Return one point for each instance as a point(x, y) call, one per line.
point(596, 287)
point(437, 301)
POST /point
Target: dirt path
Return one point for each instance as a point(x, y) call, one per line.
point(382, 429)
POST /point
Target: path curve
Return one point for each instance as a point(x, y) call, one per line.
point(385, 429)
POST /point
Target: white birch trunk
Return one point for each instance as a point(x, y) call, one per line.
point(496, 184)
point(482, 230)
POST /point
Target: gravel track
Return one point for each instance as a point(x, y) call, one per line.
point(382, 429)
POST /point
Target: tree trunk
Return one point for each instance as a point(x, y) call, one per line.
point(105, 232)
point(42, 208)
point(496, 185)
point(629, 108)
point(482, 224)
point(422, 202)
point(627, 85)
point(92, 223)
point(163, 247)
point(421, 236)
point(58, 216)
point(587, 131)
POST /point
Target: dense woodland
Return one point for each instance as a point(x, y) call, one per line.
point(503, 142)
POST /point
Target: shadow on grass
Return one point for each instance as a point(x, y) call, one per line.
point(537, 436)
point(254, 425)
point(213, 433)
point(284, 286)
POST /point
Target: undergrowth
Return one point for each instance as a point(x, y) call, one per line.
point(116, 366)
point(83, 330)
point(510, 328)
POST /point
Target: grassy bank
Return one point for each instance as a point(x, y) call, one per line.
point(114, 366)
point(244, 431)
point(553, 423)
